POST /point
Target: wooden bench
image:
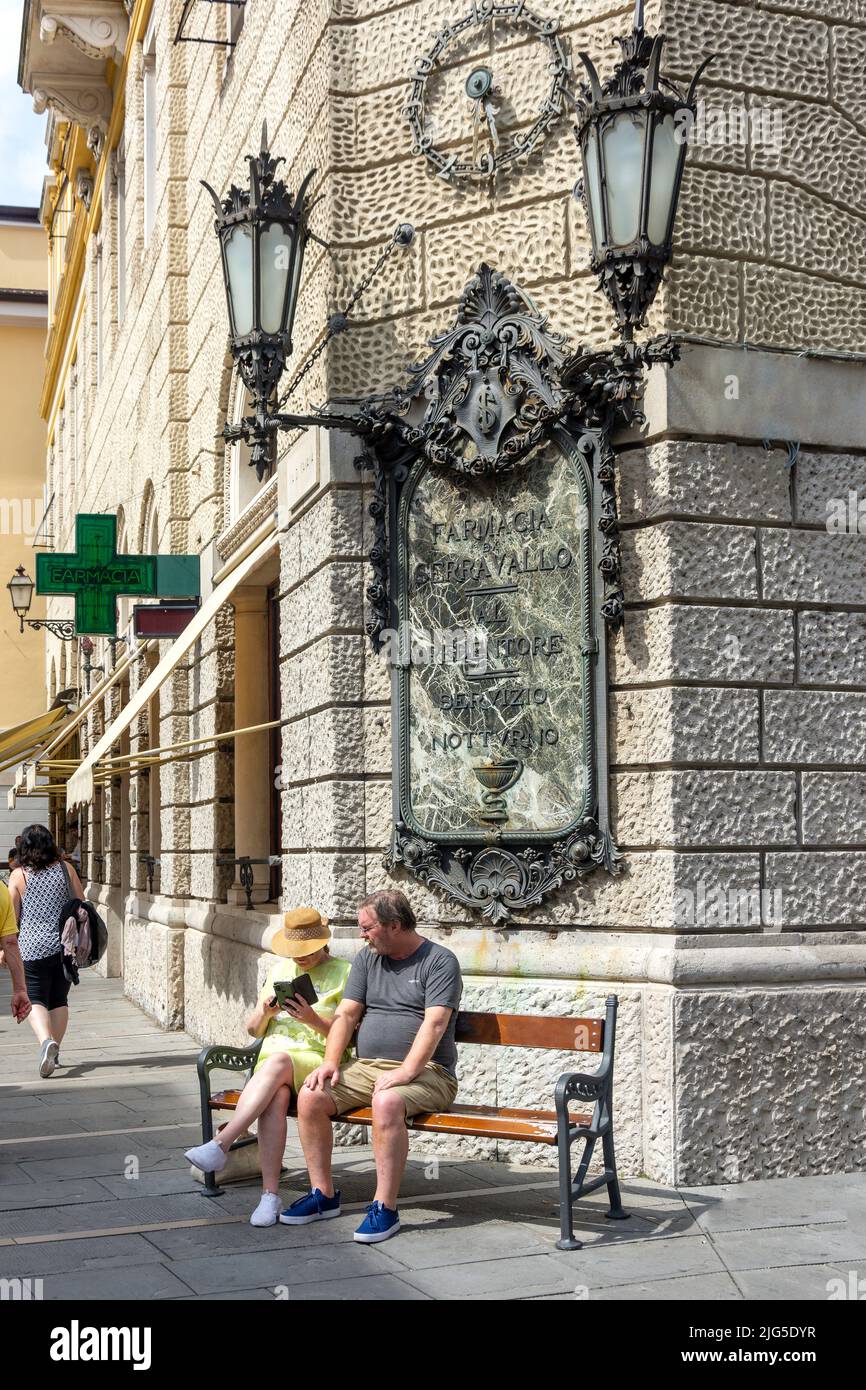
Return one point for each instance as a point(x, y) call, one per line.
point(560, 1127)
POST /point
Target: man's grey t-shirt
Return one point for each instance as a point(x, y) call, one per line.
point(395, 994)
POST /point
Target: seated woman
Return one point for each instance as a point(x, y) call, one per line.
point(293, 1046)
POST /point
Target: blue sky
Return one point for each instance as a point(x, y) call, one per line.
point(22, 132)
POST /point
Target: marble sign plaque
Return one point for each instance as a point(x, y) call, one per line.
point(496, 633)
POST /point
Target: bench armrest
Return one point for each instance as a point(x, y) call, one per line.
point(222, 1058)
point(581, 1085)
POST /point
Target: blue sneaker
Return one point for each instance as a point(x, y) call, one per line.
point(314, 1207)
point(379, 1224)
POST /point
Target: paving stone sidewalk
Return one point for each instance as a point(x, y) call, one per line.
point(97, 1202)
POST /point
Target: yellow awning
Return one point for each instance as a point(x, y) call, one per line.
point(18, 743)
point(79, 788)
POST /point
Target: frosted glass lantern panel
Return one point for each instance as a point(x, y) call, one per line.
point(593, 185)
point(275, 257)
point(239, 267)
point(667, 152)
point(623, 167)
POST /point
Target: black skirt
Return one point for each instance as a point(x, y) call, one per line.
point(46, 983)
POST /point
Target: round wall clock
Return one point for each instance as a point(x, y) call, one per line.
point(489, 148)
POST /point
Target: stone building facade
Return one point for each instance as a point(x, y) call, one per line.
point(735, 935)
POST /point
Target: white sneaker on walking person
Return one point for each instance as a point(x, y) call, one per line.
point(48, 1057)
point(267, 1212)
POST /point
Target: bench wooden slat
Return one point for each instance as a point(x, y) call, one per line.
point(481, 1121)
point(528, 1030)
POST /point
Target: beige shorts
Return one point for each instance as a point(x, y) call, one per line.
point(434, 1089)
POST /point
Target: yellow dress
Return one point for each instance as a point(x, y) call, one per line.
point(286, 1034)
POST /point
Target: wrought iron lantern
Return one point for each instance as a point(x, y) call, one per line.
point(633, 133)
point(21, 588)
point(263, 234)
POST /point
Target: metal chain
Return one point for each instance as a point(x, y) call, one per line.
point(338, 322)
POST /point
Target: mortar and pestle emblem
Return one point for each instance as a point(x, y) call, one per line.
point(497, 778)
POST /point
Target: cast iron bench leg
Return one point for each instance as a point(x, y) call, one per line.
point(616, 1212)
point(566, 1209)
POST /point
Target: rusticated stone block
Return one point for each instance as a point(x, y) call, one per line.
point(705, 808)
point(811, 567)
point(698, 295)
point(221, 986)
point(832, 648)
point(834, 808)
point(766, 53)
point(849, 65)
point(684, 725)
point(814, 726)
point(712, 644)
point(328, 672)
point(689, 560)
point(713, 480)
point(658, 1084)
point(750, 1067)
point(851, 10)
point(331, 816)
point(369, 203)
point(526, 247)
point(722, 213)
point(373, 52)
point(576, 308)
point(398, 290)
point(791, 310)
point(153, 974)
point(349, 741)
point(330, 598)
point(378, 814)
point(819, 888)
point(366, 360)
point(812, 234)
point(337, 884)
point(819, 148)
point(824, 484)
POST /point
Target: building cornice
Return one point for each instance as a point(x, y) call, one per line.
point(67, 315)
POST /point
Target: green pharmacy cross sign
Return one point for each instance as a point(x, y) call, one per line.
point(97, 576)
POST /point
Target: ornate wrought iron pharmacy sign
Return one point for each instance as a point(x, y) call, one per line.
point(497, 574)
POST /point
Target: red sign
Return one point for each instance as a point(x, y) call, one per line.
point(162, 619)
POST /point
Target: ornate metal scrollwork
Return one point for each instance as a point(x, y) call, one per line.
point(496, 388)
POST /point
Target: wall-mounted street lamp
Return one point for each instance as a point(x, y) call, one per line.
point(20, 588)
point(633, 131)
point(263, 233)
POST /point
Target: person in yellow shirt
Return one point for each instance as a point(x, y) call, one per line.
point(293, 1046)
point(10, 956)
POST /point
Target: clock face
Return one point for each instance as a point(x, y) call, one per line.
point(469, 126)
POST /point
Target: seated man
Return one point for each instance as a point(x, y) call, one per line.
point(403, 990)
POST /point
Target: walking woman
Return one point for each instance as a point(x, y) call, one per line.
point(40, 888)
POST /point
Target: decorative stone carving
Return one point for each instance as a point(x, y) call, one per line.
point(84, 187)
point(96, 142)
point(87, 102)
point(97, 30)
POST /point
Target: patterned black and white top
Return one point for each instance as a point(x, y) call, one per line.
point(45, 895)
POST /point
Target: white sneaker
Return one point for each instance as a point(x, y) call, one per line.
point(210, 1158)
point(48, 1057)
point(268, 1210)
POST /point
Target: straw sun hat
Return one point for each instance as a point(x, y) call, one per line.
point(304, 931)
